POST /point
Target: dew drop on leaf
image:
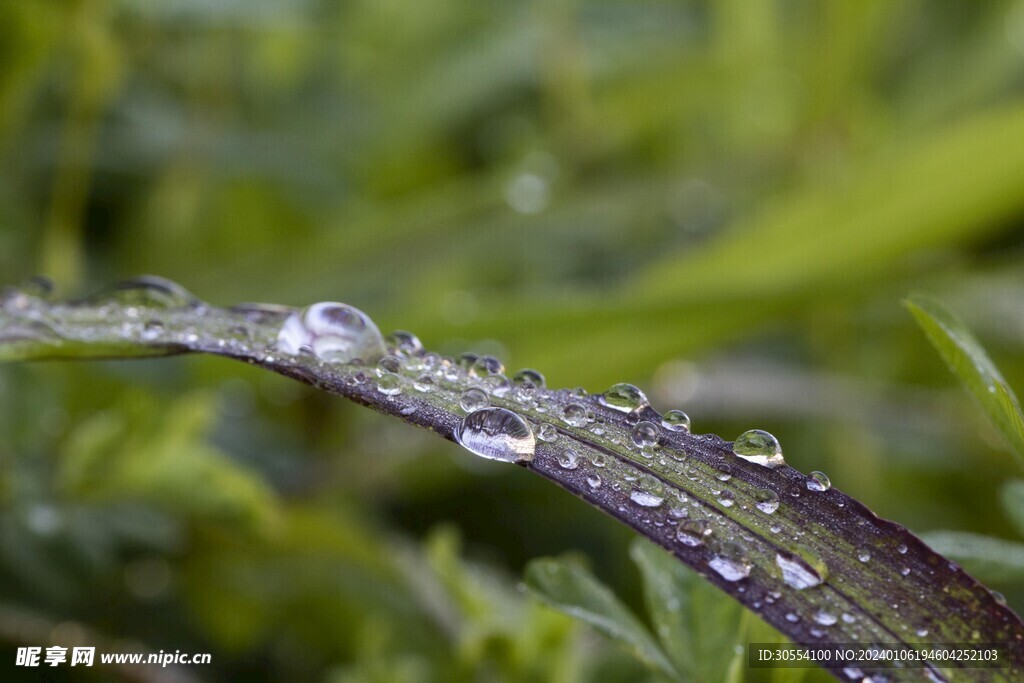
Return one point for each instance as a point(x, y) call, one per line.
point(594, 481)
point(405, 343)
point(691, 532)
point(497, 434)
point(624, 397)
point(389, 384)
point(148, 291)
point(575, 415)
point(766, 500)
point(568, 459)
point(799, 574)
point(730, 569)
point(818, 481)
point(335, 332)
point(825, 618)
point(529, 375)
point(676, 421)
point(645, 434)
point(547, 432)
point(759, 447)
point(473, 399)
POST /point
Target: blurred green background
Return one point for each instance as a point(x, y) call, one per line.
point(720, 201)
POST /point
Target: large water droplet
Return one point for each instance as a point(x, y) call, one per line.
point(649, 492)
point(730, 569)
point(676, 421)
point(149, 291)
point(624, 397)
point(335, 332)
point(497, 434)
point(818, 481)
point(759, 447)
point(797, 573)
point(766, 500)
point(645, 434)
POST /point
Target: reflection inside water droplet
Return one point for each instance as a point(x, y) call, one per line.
point(797, 573)
point(759, 447)
point(818, 481)
point(497, 434)
point(335, 332)
point(624, 397)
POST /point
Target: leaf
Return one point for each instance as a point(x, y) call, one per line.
point(1012, 497)
point(803, 555)
point(566, 586)
point(993, 559)
point(968, 361)
point(697, 625)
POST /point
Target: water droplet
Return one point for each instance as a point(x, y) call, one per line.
point(524, 392)
point(921, 632)
point(496, 385)
point(335, 332)
point(792, 618)
point(497, 434)
point(594, 481)
point(547, 432)
point(848, 618)
point(486, 366)
point(645, 434)
point(730, 569)
point(624, 397)
point(390, 364)
point(905, 571)
point(405, 343)
point(389, 384)
point(864, 556)
point(766, 500)
point(824, 618)
point(676, 421)
point(424, 383)
point(152, 329)
point(902, 549)
point(568, 459)
point(818, 481)
point(598, 460)
point(473, 399)
point(649, 491)
point(149, 291)
point(575, 415)
point(759, 447)
point(691, 532)
point(725, 498)
point(467, 360)
point(529, 375)
point(797, 573)
point(1000, 598)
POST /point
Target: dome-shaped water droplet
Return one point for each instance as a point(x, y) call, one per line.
point(575, 415)
point(825, 618)
point(624, 397)
point(524, 392)
point(594, 481)
point(497, 434)
point(390, 363)
point(649, 492)
point(864, 556)
point(818, 481)
point(529, 375)
point(486, 366)
point(730, 566)
point(425, 383)
point(691, 532)
point(799, 574)
point(389, 384)
point(496, 385)
point(792, 618)
point(152, 329)
point(598, 460)
point(147, 291)
point(766, 500)
point(645, 434)
point(473, 399)
point(335, 332)
point(547, 432)
point(405, 343)
point(676, 421)
point(759, 447)
point(725, 498)
point(568, 459)
point(902, 548)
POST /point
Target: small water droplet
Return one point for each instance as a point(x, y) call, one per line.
point(759, 447)
point(547, 432)
point(148, 291)
point(792, 618)
point(594, 481)
point(525, 392)
point(902, 549)
point(497, 434)
point(725, 498)
point(824, 618)
point(529, 375)
point(486, 366)
point(389, 384)
point(496, 385)
point(691, 532)
point(676, 421)
point(848, 618)
point(598, 460)
point(624, 397)
point(766, 500)
point(405, 343)
point(424, 383)
point(568, 459)
point(797, 573)
point(645, 434)
point(730, 569)
point(818, 481)
point(575, 415)
point(473, 399)
point(1000, 598)
point(152, 329)
point(921, 632)
point(390, 364)
point(864, 556)
point(905, 571)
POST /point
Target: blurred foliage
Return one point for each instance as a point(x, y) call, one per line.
point(722, 201)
